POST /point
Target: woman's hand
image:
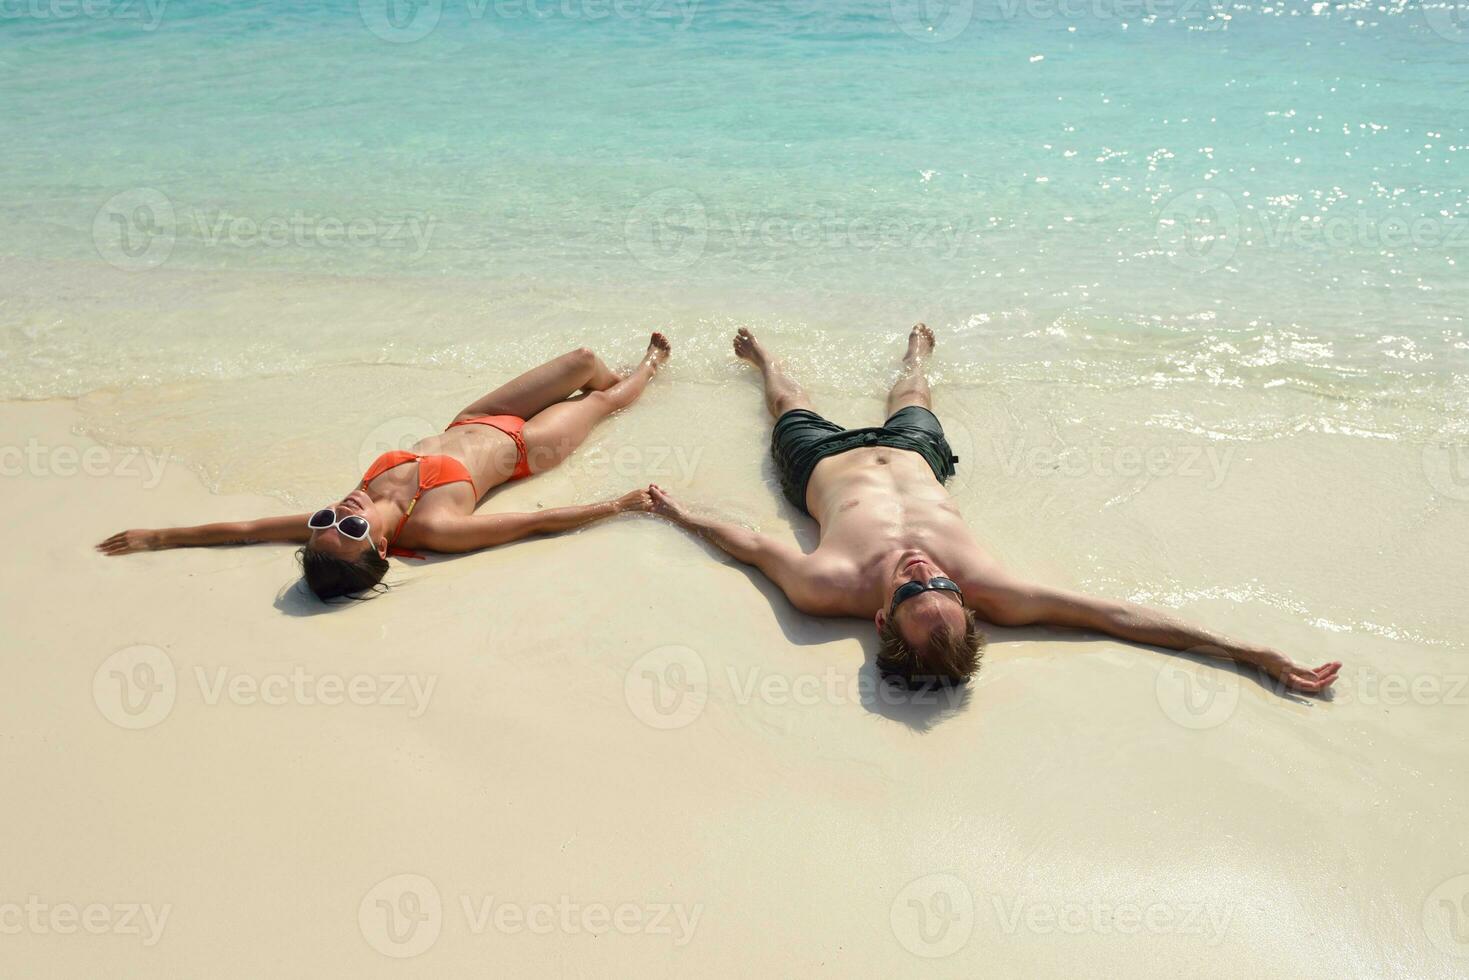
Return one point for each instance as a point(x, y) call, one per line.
point(126, 542)
point(634, 501)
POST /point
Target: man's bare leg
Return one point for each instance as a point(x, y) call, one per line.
point(781, 393)
point(911, 387)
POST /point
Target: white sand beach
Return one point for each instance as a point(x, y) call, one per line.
point(612, 753)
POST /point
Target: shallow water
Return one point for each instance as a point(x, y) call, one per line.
point(269, 240)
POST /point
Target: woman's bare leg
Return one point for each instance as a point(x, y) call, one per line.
point(540, 387)
point(553, 434)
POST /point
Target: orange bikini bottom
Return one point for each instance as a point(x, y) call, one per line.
point(512, 426)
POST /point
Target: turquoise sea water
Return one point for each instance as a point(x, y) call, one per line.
point(1113, 192)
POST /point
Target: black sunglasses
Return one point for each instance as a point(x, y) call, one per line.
point(908, 590)
point(352, 526)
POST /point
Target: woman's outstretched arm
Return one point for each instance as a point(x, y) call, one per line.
point(285, 530)
point(475, 531)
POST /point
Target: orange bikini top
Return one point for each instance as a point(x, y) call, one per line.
point(433, 471)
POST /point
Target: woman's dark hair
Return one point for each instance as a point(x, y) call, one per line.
point(331, 577)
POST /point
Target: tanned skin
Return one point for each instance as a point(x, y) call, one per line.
point(561, 402)
point(885, 520)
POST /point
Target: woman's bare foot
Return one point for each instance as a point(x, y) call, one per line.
point(920, 344)
point(659, 350)
point(748, 348)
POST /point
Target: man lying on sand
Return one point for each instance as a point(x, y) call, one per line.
point(895, 549)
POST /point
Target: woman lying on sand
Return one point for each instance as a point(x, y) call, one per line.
point(523, 427)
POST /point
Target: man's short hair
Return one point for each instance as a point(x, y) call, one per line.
point(949, 657)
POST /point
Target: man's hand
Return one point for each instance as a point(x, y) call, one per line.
point(1008, 601)
point(665, 506)
point(127, 542)
point(1296, 677)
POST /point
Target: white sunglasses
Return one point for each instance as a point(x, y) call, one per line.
point(352, 526)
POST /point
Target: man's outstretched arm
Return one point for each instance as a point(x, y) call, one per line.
point(1006, 601)
point(781, 561)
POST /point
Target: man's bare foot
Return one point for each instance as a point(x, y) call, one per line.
point(748, 348)
point(659, 350)
point(920, 343)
